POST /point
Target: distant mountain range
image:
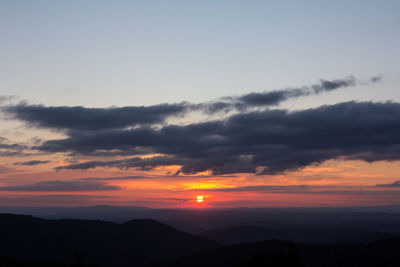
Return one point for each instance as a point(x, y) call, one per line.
point(273, 238)
point(375, 219)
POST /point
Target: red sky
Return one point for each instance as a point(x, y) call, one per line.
point(333, 183)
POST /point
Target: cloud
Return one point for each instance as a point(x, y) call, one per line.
point(32, 162)
point(79, 118)
point(61, 186)
point(262, 188)
point(262, 142)
point(333, 85)
point(144, 164)
point(271, 98)
point(254, 139)
point(6, 98)
point(306, 189)
point(394, 184)
point(376, 79)
point(9, 149)
point(133, 177)
point(276, 97)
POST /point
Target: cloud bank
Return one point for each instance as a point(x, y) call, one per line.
point(81, 118)
point(254, 139)
point(263, 142)
point(32, 162)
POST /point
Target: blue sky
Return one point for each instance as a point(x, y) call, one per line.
point(104, 53)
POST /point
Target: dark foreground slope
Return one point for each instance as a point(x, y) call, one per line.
point(385, 253)
point(133, 243)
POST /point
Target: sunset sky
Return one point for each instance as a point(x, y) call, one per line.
point(153, 103)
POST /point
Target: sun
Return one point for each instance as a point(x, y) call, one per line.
point(200, 199)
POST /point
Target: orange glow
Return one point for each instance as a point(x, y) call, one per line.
point(203, 185)
point(200, 199)
point(332, 183)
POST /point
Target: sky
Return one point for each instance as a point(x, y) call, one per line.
point(153, 103)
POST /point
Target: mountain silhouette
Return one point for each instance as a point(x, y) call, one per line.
point(133, 243)
point(29, 241)
point(277, 253)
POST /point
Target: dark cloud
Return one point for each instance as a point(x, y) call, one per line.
point(32, 162)
point(81, 118)
point(91, 119)
point(9, 149)
point(274, 98)
point(334, 84)
point(394, 184)
point(136, 162)
point(252, 140)
point(61, 186)
point(218, 106)
point(262, 142)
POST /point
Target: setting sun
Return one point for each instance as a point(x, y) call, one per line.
point(200, 199)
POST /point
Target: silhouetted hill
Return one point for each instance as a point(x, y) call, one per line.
point(384, 253)
point(133, 243)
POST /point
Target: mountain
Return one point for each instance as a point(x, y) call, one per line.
point(242, 234)
point(378, 219)
point(29, 241)
point(133, 243)
point(306, 233)
point(384, 253)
